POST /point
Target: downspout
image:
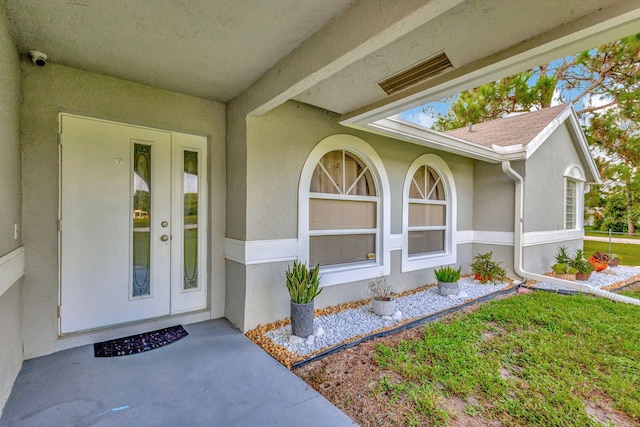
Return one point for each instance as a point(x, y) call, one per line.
point(517, 249)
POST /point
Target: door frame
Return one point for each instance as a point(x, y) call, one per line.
point(179, 141)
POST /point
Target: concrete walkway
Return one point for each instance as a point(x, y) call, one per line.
point(213, 377)
point(613, 240)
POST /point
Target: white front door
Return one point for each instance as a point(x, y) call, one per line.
point(132, 223)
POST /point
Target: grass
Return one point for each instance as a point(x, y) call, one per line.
point(629, 254)
point(535, 360)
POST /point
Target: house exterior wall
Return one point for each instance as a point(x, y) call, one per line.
point(493, 194)
point(278, 144)
point(53, 89)
point(11, 354)
point(545, 184)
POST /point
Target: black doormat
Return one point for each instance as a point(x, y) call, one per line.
point(139, 343)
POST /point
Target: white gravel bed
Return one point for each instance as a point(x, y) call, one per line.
point(362, 321)
point(598, 280)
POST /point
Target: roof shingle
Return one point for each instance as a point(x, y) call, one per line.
point(514, 130)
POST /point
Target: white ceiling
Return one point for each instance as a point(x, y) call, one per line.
point(213, 49)
point(328, 53)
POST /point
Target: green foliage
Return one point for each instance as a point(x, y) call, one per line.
point(561, 256)
point(560, 268)
point(448, 274)
point(580, 263)
point(487, 269)
point(530, 360)
point(303, 283)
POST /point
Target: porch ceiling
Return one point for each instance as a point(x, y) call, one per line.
point(327, 53)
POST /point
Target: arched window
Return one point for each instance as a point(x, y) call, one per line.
point(344, 211)
point(429, 214)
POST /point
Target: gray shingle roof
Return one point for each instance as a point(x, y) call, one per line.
point(520, 129)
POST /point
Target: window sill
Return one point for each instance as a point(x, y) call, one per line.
point(338, 275)
point(427, 261)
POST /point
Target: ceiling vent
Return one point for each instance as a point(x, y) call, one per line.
point(416, 74)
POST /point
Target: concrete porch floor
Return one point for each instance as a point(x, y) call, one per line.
point(214, 377)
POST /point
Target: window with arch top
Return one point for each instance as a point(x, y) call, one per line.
point(343, 211)
point(427, 213)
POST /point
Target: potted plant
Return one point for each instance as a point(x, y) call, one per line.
point(564, 271)
point(448, 280)
point(485, 269)
point(303, 285)
point(383, 301)
point(614, 261)
point(582, 265)
point(599, 261)
point(562, 268)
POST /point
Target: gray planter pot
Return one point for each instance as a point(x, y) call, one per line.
point(448, 288)
point(383, 307)
point(302, 319)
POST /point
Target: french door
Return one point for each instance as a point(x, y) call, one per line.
point(132, 223)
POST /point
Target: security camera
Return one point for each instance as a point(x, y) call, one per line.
point(38, 58)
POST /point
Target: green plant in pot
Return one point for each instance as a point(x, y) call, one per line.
point(485, 269)
point(562, 269)
point(448, 280)
point(383, 302)
point(304, 285)
point(582, 265)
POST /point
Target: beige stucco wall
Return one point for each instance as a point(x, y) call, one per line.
point(53, 89)
point(544, 186)
point(278, 144)
point(10, 209)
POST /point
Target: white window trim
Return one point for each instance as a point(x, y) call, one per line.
point(449, 255)
point(576, 174)
point(348, 272)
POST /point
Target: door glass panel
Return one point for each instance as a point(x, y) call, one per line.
point(190, 191)
point(141, 284)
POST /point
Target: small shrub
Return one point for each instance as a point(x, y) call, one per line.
point(486, 269)
point(562, 257)
point(448, 274)
point(379, 288)
point(303, 283)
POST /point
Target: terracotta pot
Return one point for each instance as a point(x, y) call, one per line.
point(597, 265)
point(478, 276)
point(583, 276)
point(566, 276)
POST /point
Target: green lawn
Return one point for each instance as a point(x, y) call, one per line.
point(532, 360)
point(629, 254)
point(633, 293)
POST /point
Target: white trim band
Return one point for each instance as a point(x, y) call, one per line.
point(267, 251)
point(11, 269)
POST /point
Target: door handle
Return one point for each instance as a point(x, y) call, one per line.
point(164, 237)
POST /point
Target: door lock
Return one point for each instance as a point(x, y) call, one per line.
point(164, 224)
point(164, 237)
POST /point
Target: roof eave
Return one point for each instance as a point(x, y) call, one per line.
point(409, 132)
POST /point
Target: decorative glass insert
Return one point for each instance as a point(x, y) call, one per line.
point(427, 213)
point(343, 211)
point(570, 205)
point(141, 233)
point(190, 240)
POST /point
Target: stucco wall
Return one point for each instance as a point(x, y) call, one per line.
point(53, 89)
point(10, 209)
point(544, 185)
point(540, 258)
point(493, 196)
point(278, 144)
